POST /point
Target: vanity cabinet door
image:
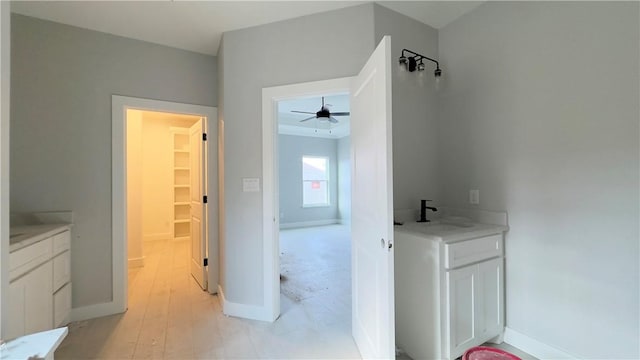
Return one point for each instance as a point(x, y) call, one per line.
point(461, 308)
point(490, 298)
point(30, 302)
point(16, 309)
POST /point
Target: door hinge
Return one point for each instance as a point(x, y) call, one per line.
point(205, 199)
point(204, 137)
point(206, 262)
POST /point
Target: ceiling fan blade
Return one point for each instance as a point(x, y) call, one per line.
point(309, 118)
point(333, 120)
point(302, 112)
point(340, 113)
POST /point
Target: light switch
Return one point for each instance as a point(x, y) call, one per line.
point(250, 184)
point(474, 197)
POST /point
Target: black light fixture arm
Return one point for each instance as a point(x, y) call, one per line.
point(415, 59)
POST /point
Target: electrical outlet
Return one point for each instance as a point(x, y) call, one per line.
point(474, 197)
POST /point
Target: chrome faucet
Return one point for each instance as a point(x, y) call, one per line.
point(423, 210)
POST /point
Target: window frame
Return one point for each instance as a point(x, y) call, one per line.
point(327, 180)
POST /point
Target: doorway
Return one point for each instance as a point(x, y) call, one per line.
point(313, 173)
point(163, 166)
point(373, 326)
point(183, 158)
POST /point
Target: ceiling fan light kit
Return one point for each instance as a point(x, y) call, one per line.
point(415, 62)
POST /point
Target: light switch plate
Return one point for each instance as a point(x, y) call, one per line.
point(474, 197)
point(250, 184)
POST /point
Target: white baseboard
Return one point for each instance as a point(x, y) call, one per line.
point(253, 312)
point(159, 236)
point(94, 311)
point(136, 262)
point(534, 347)
point(302, 224)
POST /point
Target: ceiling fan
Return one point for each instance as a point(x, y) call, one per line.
point(324, 113)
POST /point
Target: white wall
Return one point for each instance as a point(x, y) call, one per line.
point(157, 181)
point(291, 149)
point(61, 126)
point(540, 111)
point(344, 179)
point(134, 188)
point(5, 40)
point(414, 107)
point(287, 53)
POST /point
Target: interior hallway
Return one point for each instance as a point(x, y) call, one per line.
point(170, 317)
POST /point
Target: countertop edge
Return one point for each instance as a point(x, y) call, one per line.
point(487, 230)
point(35, 233)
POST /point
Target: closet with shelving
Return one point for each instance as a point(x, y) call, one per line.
point(181, 184)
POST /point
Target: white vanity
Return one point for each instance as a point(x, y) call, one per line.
point(39, 278)
point(449, 285)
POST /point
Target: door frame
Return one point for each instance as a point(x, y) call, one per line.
point(119, 107)
point(270, 193)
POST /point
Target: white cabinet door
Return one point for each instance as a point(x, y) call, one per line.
point(38, 300)
point(461, 305)
point(16, 308)
point(30, 302)
point(490, 299)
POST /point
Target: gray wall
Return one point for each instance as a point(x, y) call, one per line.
point(62, 81)
point(344, 180)
point(5, 46)
point(414, 108)
point(286, 52)
point(540, 112)
point(290, 152)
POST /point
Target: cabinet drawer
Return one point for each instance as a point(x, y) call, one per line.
point(470, 251)
point(28, 258)
point(61, 242)
point(62, 306)
point(61, 270)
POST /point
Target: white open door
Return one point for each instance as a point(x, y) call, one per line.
point(373, 317)
point(198, 224)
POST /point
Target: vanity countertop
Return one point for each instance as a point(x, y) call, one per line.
point(450, 230)
point(25, 235)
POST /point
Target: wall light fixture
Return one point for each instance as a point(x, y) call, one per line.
point(415, 62)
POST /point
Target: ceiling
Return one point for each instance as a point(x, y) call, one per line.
point(289, 122)
point(198, 25)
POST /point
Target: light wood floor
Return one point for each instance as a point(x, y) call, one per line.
point(170, 317)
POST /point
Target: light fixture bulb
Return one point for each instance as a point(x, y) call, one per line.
point(421, 66)
point(402, 61)
point(437, 73)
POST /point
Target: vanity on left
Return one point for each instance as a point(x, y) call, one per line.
point(39, 278)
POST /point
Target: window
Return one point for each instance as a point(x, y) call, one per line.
point(315, 181)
